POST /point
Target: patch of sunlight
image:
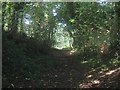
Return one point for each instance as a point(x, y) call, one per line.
point(89, 76)
point(46, 15)
point(104, 68)
point(114, 62)
point(54, 12)
point(93, 70)
point(112, 71)
point(102, 76)
point(83, 62)
point(72, 51)
point(62, 38)
point(84, 85)
point(59, 24)
point(102, 2)
point(72, 20)
point(58, 47)
point(95, 81)
point(27, 78)
point(27, 21)
point(101, 72)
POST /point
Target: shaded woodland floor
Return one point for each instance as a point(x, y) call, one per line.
point(30, 30)
point(68, 73)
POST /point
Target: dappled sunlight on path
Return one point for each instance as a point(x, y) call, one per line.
point(107, 78)
point(70, 72)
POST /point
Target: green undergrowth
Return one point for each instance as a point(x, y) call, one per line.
point(99, 63)
point(92, 59)
point(21, 61)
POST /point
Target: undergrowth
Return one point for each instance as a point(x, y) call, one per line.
point(24, 59)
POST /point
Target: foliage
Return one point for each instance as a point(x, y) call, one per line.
point(24, 57)
point(32, 31)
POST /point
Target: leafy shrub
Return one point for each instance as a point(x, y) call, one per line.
point(24, 57)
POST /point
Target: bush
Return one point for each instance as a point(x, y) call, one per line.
point(24, 57)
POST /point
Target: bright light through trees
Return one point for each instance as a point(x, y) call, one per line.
point(62, 37)
point(54, 12)
point(102, 2)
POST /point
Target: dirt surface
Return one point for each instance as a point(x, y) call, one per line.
point(70, 73)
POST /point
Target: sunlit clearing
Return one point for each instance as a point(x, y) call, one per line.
point(62, 38)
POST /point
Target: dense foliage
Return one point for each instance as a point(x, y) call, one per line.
point(32, 31)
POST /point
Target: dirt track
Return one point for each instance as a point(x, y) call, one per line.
point(72, 74)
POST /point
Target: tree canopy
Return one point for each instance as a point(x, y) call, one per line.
point(39, 35)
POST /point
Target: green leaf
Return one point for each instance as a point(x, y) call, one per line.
point(72, 20)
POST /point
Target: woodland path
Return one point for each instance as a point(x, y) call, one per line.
point(70, 73)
